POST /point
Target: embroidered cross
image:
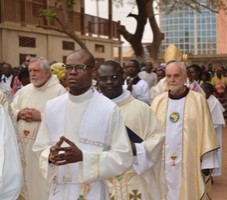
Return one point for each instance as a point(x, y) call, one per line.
point(135, 195)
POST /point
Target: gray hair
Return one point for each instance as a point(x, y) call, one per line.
point(44, 63)
point(179, 64)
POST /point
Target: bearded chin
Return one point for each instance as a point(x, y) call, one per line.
point(174, 87)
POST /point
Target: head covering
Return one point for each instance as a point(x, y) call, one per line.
point(57, 69)
point(172, 54)
point(218, 69)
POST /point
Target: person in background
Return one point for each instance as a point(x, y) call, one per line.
point(27, 61)
point(27, 107)
point(205, 77)
point(190, 142)
point(82, 138)
point(9, 81)
point(59, 71)
point(148, 75)
point(160, 71)
point(161, 86)
point(138, 87)
point(193, 73)
point(216, 110)
point(23, 76)
point(146, 135)
point(220, 83)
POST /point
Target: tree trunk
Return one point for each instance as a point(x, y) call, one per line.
point(158, 36)
point(136, 39)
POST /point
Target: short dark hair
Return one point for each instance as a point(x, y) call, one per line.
point(136, 62)
point(196, 67)
point(23, 72)
point(91, 59)
point(114, 64)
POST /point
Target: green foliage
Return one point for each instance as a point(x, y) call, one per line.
point(49, 14)
point(59, 4)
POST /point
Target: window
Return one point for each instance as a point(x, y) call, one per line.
point(99, 48)
point(37, 5)
point(27, 42)
point(66, 45)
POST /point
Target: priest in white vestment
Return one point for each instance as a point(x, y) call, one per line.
point(216, 110)
point(144, 179)
point(27, 107)
point(82, 138)
point(190, 136)
point(11, 175)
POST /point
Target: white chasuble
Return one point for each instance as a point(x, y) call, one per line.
point(75, 109)
point(173, 147)
point(11, 175)
point(89, 121)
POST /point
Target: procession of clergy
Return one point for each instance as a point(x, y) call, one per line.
point(80, 132)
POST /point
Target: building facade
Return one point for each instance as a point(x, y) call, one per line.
point(201, 35)
point(19, 34)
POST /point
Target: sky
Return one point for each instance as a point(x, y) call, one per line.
point(119, 14)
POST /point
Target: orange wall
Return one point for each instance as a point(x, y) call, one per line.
point(222, 33)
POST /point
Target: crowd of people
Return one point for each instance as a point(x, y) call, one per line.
point(78, 131)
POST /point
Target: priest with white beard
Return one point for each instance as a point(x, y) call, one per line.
point(27, 107)
point(190, 136)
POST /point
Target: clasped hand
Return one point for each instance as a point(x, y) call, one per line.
point(29, 115)
point(63, 155)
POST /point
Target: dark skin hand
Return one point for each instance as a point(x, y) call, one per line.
point(64, 155)
point(129, 83)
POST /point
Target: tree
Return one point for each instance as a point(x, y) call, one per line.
point(64, 23)
point(146, 12)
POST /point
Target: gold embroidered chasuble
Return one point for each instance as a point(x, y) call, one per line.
point(198, 138)
point(149, 184)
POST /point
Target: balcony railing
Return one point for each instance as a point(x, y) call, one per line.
point(26, 12)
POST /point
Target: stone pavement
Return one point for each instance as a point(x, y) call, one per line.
point(220, 183)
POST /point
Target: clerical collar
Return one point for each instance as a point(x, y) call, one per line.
point(182, 95)
point(83, 97)
point(124, 94)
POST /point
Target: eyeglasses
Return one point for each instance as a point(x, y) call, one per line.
point(78, 67)
point(106, 78)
